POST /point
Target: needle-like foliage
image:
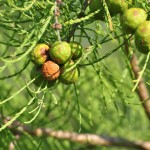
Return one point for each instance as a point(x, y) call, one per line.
point(105, 100)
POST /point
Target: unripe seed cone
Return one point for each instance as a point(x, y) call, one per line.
point(60, 52)
point(50, 70)
point(76, 49)
point(71, 76)
point(39, 54)
point(132, 18)
point(142, 37)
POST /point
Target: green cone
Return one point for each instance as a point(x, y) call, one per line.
point(142, 37)
point(132, 18)
point(76, 49)
point(60, 52)
point(71, 76)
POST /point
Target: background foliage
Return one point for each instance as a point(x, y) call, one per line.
point(101, 102)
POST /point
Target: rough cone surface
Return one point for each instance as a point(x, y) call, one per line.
point(50, 70)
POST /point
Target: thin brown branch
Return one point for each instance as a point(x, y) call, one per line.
point(90, 139)
point(142, 89)
point(86, 138)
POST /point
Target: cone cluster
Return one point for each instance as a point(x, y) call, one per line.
point(133, 20)
point(55, 62)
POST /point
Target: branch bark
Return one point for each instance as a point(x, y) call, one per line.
point(86, 138)
point(90, 139)
point(142, 89)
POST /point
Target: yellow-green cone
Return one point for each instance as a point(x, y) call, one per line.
point(132, 18)
point(39, 54)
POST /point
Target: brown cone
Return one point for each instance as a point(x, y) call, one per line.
point(50, 70)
